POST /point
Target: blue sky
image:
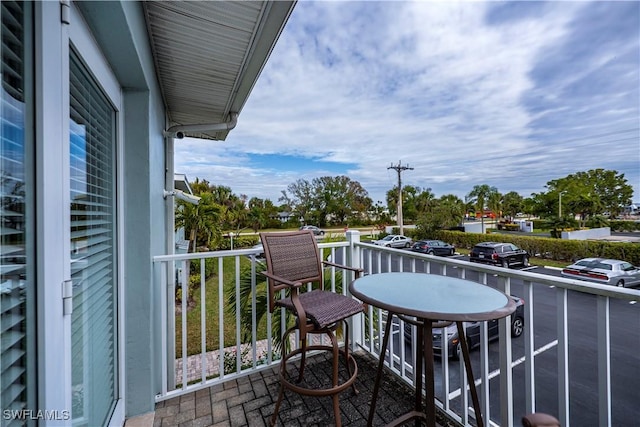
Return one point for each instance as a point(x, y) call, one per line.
point(510, 94)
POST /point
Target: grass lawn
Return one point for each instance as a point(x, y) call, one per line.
point(212, 317)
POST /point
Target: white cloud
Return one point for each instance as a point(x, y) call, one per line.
point(431, 84)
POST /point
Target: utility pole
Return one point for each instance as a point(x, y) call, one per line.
point(399, 169)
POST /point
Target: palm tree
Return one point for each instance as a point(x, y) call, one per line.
point(203, 217)
point(479, 194)
point(494, 203)
point(454, 208)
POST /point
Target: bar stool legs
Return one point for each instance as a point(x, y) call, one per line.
point(336, 386)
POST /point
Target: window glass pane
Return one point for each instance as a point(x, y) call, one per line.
point(17, 371)
point(93, 323)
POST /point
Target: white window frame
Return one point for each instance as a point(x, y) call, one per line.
point(88, 49)
point(52, 48)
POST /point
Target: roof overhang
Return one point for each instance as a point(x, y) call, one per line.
point(208, 56)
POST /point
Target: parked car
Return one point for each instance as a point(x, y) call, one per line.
point(394, 241)
point(605, 271)
point(472, 331)
point(316, 231)
point(433, 247)
point(504, 254)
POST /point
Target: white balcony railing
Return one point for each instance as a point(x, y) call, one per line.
point(514, 375)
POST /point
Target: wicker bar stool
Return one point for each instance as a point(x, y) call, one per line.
point(293, 261)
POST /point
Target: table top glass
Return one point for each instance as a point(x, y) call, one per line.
point(432, 296)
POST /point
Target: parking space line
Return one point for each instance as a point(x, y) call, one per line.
point(456, 393)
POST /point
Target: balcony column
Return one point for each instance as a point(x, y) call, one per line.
point(169, 185)
point(352, 259)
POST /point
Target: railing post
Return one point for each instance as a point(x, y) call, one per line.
point(563, 356)
point(170, 307)
point(353, 260)
point(505, 362)
point(604, 362)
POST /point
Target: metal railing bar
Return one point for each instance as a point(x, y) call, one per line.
point(529, 348)
point(238, 323)
point(484, 389)
point(254, 320)
point(563, 356)
point(203, 323)
point(221, 317)
point(185, 297)
point(506, 363)
point(604, 361)
point(163, 327)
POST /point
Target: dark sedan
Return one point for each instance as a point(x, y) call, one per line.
point(472, 331)
point(433, 247)
point(504, 254)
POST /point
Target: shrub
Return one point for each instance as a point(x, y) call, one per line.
point(557, 249)
point(209, 267)
point(240, 242)
point(624, 225)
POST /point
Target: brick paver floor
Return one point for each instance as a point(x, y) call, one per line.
point(250, 401)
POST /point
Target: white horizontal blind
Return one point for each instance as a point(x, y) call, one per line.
point(93, 269)
point(17, 377)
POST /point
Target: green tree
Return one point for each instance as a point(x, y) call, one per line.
point(199, 186)
point(469, 206)
point(479, 195)
point(512, 204)
point(446, 212)
point(415, 201)
point(201, 220)
point(262, 214)
point(544, 205)
point(379, 214)
point(584, 194)
point(299, 196)
point(327, 199)
point(528, 206)
point(494, 203)
point(602, 190)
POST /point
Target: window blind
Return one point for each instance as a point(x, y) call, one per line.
point(92, 175)
point(17, 374)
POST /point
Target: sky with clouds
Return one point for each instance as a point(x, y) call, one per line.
point(509, 94)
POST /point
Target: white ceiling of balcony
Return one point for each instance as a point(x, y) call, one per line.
point(209, 54)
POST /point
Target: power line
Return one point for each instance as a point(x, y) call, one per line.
point(399, 169)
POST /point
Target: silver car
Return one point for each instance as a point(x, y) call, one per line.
point(605, 271)
point(316, 230)
point(394, 241)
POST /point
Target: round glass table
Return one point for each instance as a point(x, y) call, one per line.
point(430, 299)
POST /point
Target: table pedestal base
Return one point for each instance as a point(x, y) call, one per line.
point(424, 354)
